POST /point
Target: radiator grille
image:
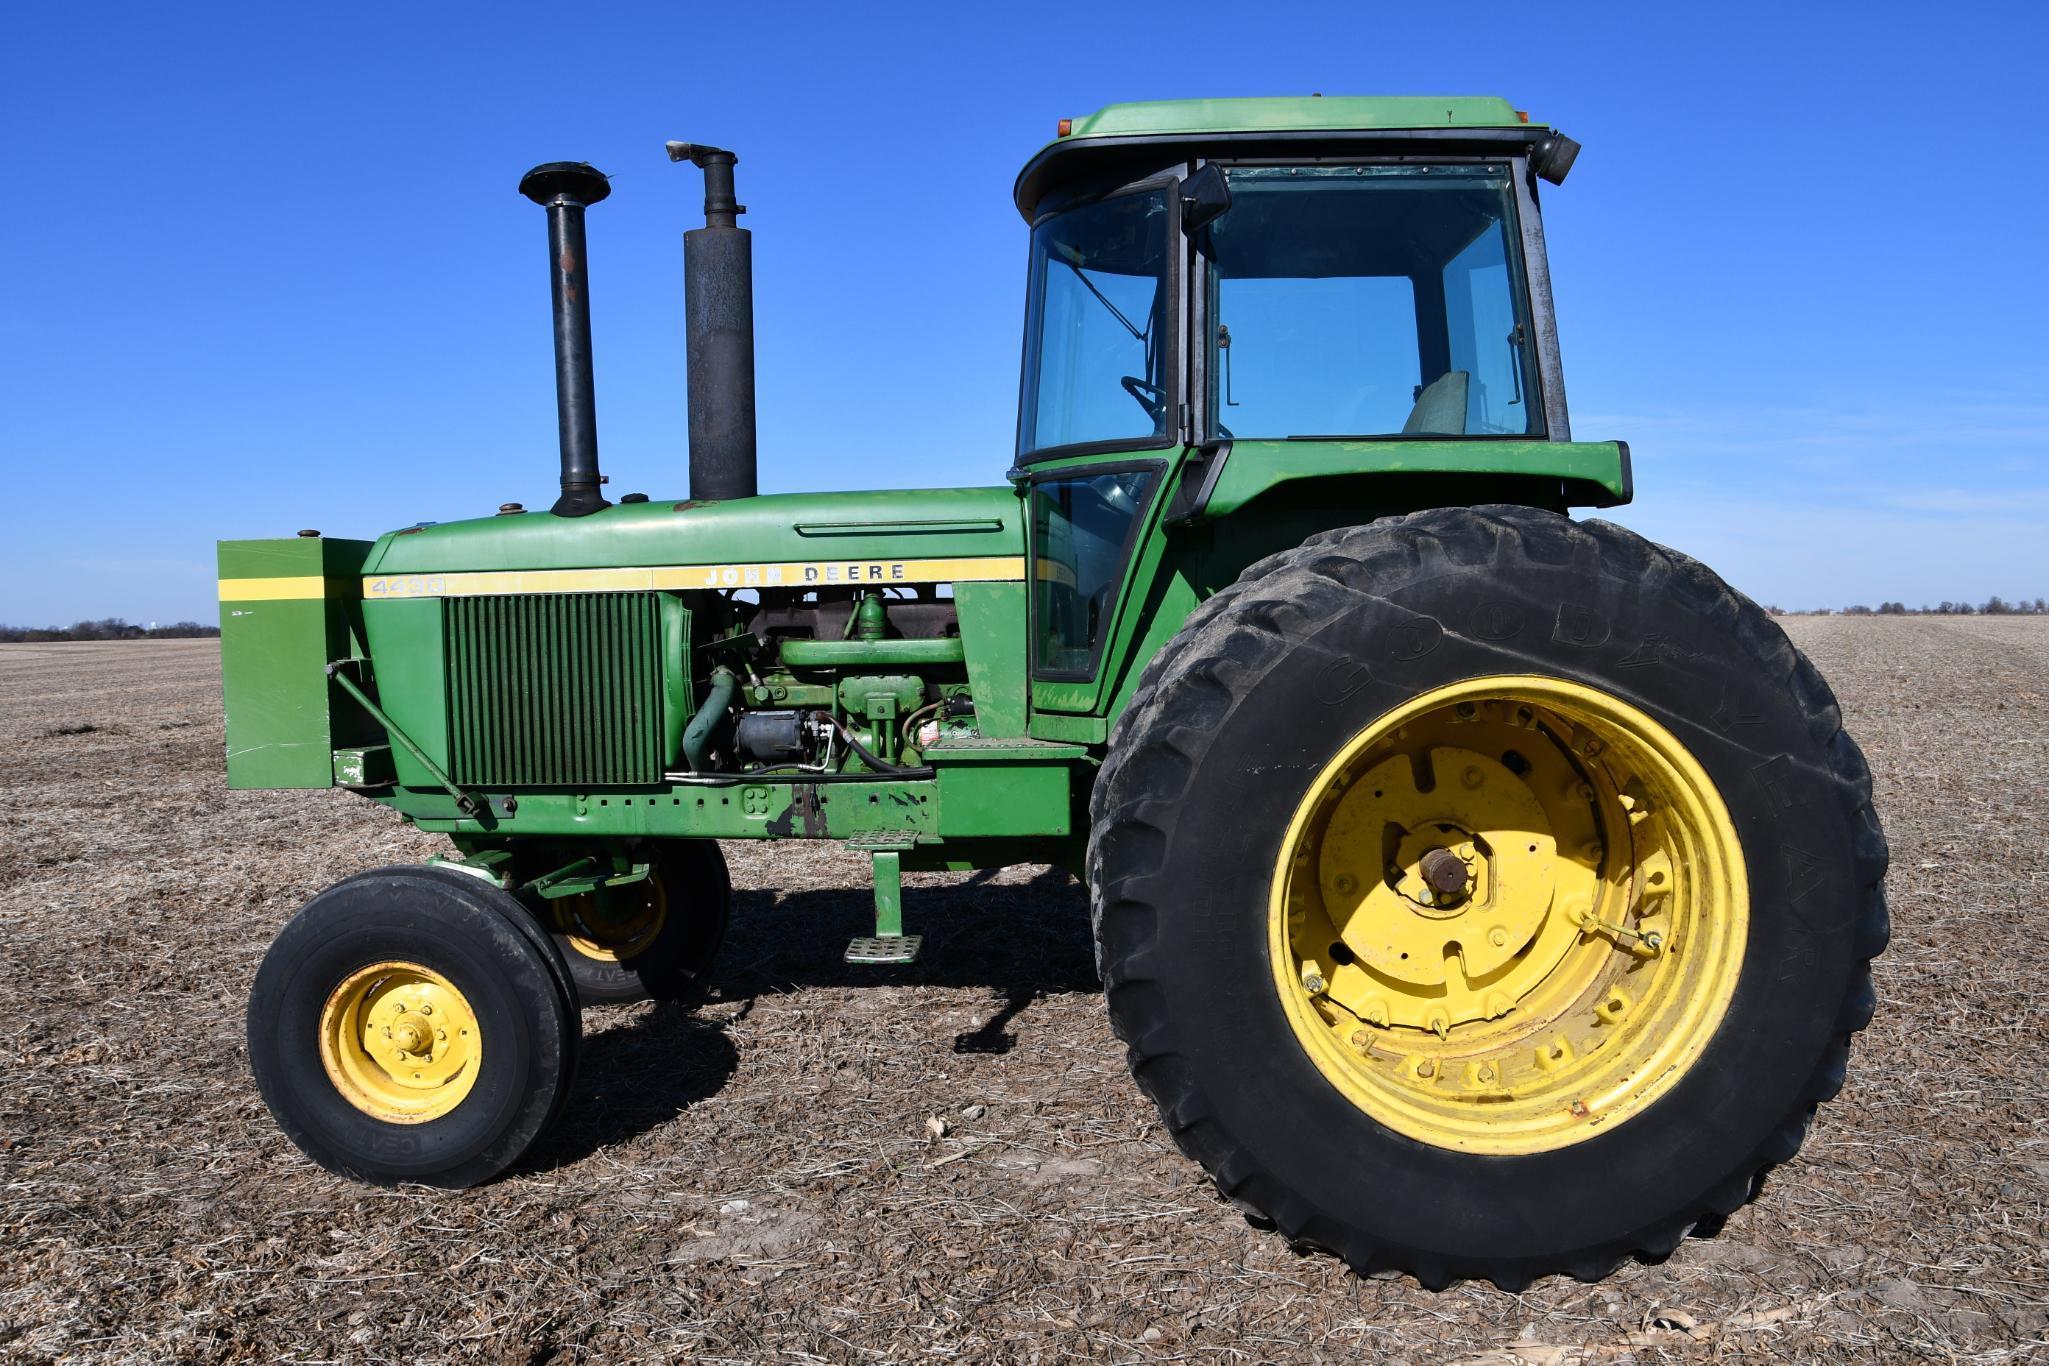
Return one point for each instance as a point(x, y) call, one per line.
point(554, 689)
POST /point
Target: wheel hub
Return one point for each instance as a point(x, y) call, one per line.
point(614, 923)
point(411, 1034)
point(1508, 911)
point(400, 1042)
point(1470, 873)
point(1447, 875)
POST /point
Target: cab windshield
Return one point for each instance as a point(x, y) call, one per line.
point(1370, 301)
point(1096, 327)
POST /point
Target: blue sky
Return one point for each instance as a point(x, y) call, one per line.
point(268, 269)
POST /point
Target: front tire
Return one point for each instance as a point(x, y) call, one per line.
point(1424, 978)
point(654, 939)
point(412, 1024)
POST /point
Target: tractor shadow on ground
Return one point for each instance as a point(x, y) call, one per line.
point(1024, 941)
point(634, 1076)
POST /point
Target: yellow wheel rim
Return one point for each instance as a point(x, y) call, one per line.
point(1508, 915)
point(618, 925)
point(400, 1042)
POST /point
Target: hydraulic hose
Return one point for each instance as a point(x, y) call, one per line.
point(868, 756)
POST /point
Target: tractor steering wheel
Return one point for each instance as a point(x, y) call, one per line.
point(1151, 397)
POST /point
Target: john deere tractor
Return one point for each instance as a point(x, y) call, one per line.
point(1480, 892)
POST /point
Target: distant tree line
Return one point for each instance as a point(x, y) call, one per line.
point(1994, 606)
point(108, 628)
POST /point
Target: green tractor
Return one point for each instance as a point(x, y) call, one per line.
point(1479, 892)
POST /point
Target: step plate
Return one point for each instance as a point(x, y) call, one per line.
point(896, 948)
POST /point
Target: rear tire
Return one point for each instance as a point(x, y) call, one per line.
point(1198, 850)
point(412, 1024)
point(662, 939)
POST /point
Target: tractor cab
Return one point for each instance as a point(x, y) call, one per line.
point(1272, 289)
point(1288, 270)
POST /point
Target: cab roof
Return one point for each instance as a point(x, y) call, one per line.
point(1122, 132)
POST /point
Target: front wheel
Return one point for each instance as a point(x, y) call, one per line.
point(1483, 894)
point(652, 939)
point(413, 1024)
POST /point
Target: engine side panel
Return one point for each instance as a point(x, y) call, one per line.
point(288, 607)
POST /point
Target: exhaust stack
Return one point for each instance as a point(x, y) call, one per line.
point(718, 309)
point(565, 189)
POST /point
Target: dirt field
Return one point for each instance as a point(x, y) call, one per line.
point(756, 1181)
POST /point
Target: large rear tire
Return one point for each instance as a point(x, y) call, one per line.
point(413, 1024)
point(1484, 894)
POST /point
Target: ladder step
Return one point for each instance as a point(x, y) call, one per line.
point(888, 948)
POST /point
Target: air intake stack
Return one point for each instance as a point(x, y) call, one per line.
point(718, 308)
point(565, 189)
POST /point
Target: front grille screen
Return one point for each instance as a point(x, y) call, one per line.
point(555, 689)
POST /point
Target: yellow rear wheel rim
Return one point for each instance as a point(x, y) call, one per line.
point(1508, 915)
point(400, 1042)
point(628, 920)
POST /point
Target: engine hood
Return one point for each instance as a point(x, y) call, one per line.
point(914, 535)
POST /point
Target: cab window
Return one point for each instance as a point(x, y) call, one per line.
point(1360, 301)
point(1081, 532)
point(1096, 362)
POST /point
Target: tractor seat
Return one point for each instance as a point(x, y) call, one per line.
point(1440, 407)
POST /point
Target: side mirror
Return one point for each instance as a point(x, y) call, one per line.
point(1205, 197)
